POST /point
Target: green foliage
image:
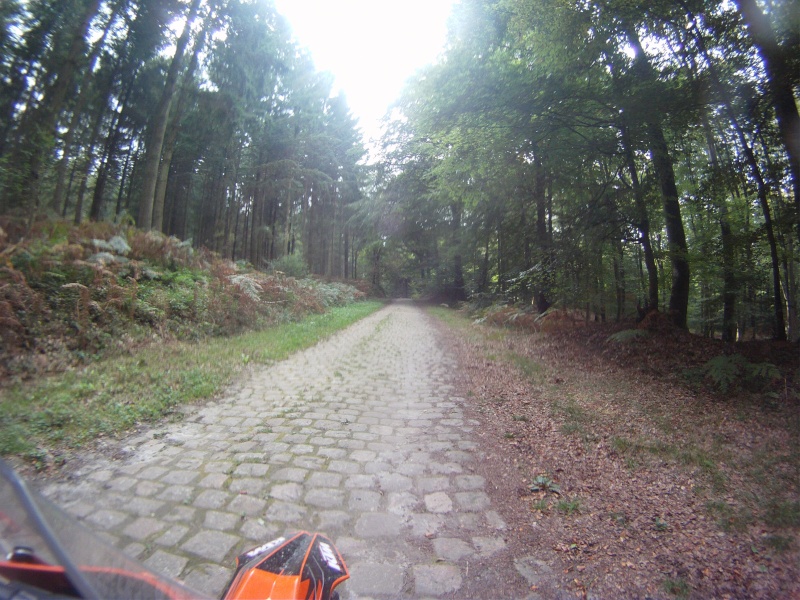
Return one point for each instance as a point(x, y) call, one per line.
point(728, 372)
point(783, 513)
point(291, 265)
point(542, 483)
point(676, 587)
point(569, 506)
point(72, 409)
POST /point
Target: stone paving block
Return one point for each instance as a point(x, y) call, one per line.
point(452, 549)
point(189, 464)
point(121, 484)
point(425, 524)
point(290, 474)
point(344, 466)
point(458, 456)
point(325, 498)
point(401, 503)
point(209, 578)
point(447, 468)
point(211, 545)
point(438, 502)
point(433, 484)
point(169, 565)
point(213, 480)
point(106, 518)
point(375, 467)
point(177, 493)
point(488, 545)
point(259, 531)
point(312, 463)
point(281, 458)
point(211, 499)
point(472, 501)
point(360, 481)
point(367, 579)
point(324, 479)
point(179, 477)
point(470, 482)
point(494, 520)
point(373, 525)
point(321, 441)
point(436, 580)
point(394, 482)
point(172, 536)
point(143, 527)
point(134, 549)
point(247, 505)
point(251, 470)
point(221, 520)
point(249, 485)
point(285, 512)
point(148, 488)
point(329, 521)
point(363, 455)
point(151, 473)
point(178, 514)
point(286, 491)
point(218, 466)
point(364, 500)
point(411, 469)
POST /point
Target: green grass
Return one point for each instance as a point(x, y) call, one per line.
point(568, 506)
point(676, 587)
point(111, 396)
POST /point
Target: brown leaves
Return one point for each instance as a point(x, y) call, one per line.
point(617, 426)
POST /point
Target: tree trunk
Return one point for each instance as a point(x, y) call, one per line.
point(642, 223)
point(43, 120)
point(780, 74)
point(171, 135)
point(158, 125)
point(676, 236)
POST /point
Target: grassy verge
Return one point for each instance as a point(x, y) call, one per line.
point(43, 419)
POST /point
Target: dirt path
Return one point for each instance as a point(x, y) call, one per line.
point(361, 437)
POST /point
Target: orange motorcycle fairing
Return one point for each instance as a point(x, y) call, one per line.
point(304, 566)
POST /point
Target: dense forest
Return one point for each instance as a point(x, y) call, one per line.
point(200, 118)
point(605, 155)
point(608, 155)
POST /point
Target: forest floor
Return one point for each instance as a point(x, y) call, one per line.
point(627, 469)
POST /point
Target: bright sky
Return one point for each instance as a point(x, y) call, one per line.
point(371, 46)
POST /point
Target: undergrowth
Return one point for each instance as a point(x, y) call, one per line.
point(72, 295)
point(45, 420)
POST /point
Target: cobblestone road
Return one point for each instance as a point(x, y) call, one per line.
point(360, 437)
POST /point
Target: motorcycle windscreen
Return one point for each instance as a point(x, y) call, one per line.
point(305, 566)
point(46, 549)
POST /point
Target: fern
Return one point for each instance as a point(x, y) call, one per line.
point(731, 371)
point(724, 370)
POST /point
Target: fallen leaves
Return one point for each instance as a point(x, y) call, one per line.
point(644, 452)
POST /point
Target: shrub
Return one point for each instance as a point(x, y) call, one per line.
point(291, 265)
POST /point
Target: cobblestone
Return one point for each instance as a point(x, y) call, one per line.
point(360, 436)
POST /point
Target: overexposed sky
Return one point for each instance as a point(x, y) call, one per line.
point(370, 46)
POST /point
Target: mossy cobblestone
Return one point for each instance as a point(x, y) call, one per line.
point(362, 437)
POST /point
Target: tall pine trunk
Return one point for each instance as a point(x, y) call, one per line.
point(157, 126)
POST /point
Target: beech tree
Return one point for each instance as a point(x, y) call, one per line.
point(613, 154)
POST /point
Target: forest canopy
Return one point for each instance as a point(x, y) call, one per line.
point(198, 118)
point(606, 155)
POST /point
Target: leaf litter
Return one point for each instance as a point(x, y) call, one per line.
point(674, 491)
